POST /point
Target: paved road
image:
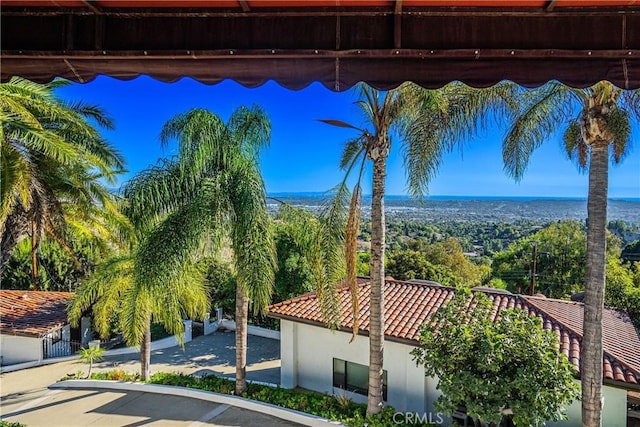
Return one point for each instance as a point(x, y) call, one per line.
point(209, 354)
point(26, 398)
point(108, 408)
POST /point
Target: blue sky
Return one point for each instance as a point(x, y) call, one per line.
point(304, 152)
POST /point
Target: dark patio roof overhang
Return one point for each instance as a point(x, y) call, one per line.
point(337, 43)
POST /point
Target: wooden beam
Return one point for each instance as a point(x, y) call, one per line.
point(326, 11)
point(230, 54)
point(397, 25)
point(69, 32)
point(245, 5)
point(93, 7)
point(98, 33)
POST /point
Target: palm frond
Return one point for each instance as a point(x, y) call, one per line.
point(172, 245)
point(187, 298)
point(15, 180)
point(156, 191)
point(468, 110)
point(575, 147)
point(106, 285)
point(135, 314)
point(542, 111)
point(252, 235)
point(94, 112)
point(251, 128)
point(352, 149)
point(619, 123)
point(328, 268)
point(630, 101)
point(422, 150)
point(351, 246)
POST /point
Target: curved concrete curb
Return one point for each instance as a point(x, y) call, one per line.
point(238, 402)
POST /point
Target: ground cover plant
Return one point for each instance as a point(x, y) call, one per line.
point(336, 408)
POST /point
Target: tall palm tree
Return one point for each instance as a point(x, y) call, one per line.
point(113, 291)
point(213, 189)
point(427, 123)
point(596, 125)
point(54, 167)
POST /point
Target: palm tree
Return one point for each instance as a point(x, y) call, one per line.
point(90, 355)
point(596, 125)
point(114, 290)
point(213, 190)
point(54, 167)
point(427, 122)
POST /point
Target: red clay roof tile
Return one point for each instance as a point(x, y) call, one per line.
point(410, 304)
point(32, 313)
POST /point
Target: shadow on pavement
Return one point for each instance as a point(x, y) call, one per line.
point(215, 352)
point(46, 405)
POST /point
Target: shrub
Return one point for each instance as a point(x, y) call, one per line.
point(116, 375)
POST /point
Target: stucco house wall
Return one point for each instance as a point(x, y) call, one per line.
point(307, 354)
point(614, 413)
point(17, 349)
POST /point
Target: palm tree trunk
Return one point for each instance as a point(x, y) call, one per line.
point(376, 323)
point(14, 230)
point(242, 313)
point(145, 353)
point(591, 350)
point(34, 256)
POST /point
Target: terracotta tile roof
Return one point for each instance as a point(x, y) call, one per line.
point(409, 304)
point(32, 313)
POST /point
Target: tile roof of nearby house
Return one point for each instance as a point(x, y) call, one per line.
point(409, 304)
point(32, 313)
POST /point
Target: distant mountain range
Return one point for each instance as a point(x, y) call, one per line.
point(476, 208)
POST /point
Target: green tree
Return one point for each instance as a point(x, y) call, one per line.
point(58, 269)
point(318, 240)
point(115, 293)
point(222, 283)
point(427, 123)
point(509, 368)
point(623, 288)
point(293, 277)
point(409, 264)
point(212, 190)
point(363, 263)
point(560, 260)
point(631, 251)
point(597, 127)
point(441, 262)
point(54, 166)
point(90, 355)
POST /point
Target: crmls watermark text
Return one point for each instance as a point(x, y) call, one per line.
point(418, 418)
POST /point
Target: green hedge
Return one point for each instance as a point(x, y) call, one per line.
point(4, 423)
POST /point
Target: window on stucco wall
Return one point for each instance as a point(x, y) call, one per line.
point(355, 377)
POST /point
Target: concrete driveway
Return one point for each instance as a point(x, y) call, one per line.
point(109, 408)
point(25, 396)
point(208, 354)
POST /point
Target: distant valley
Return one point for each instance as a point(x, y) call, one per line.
point(468, 209)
